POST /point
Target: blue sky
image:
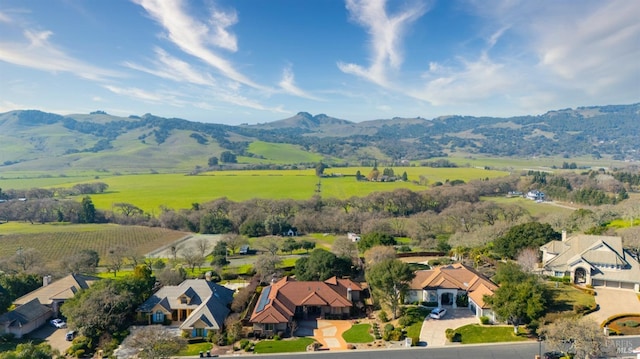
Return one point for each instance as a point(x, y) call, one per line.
point(255, 61)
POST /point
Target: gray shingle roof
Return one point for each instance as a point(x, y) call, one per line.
point(25, 313)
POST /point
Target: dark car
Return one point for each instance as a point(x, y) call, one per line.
point(553, 355)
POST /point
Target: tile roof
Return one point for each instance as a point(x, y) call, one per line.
point(278, 303)
point(455, 276)
point(62, 289)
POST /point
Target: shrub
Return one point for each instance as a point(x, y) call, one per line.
point(383, 316)
point(485, 320)
point(396, 334)
point(243, 343)
point(276, 337)
point(388, 327)
point(630, 323)
point(580, 308)
point(404, 321)
point(452, 335)
point(351, 346)
point(405, 248)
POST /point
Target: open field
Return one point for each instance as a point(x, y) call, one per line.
point(534, 208)
point(55, 242)
point(151, 191)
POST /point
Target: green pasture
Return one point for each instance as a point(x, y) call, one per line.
point(281, 153)
point(533, 163)
point(151, 191)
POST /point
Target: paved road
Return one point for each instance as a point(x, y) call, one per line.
point(621, 347)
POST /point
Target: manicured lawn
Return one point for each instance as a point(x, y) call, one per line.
point(282, 346)
point(417, 315)
point(359, 333)
point(195, 349)
point(475, 333)
point(564, 297)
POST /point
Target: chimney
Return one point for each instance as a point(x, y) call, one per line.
point(349, 295)
point(207, 276)
point(46, 280)
point(564, 235)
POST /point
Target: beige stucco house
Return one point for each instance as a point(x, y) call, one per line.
point(443, 285)
point(600, 261)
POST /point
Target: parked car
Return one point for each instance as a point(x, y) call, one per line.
point(553, 355)
point(438, 313)
point(58, 323)
point(70, 335)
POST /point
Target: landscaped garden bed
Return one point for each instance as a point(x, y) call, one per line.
point(625, 325)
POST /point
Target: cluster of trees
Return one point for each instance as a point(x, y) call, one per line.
point(591, 188)
point(103, 312)
point(13, 286)
point(521, 297)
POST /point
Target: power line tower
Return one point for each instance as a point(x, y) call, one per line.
point(318, 189)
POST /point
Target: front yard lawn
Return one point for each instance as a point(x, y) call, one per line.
point(359, 333)
point(564, 297)
point(416, 315)
point(282, 346)
point(195, 349)
point(476, 333)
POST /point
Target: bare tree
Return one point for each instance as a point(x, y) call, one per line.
point(154, 342)
point(26, 259)
point(631, 239)
point(115, 258)
point(270, 244)
point(202, 245)
point(175, 249)
point(378, 254)
point(344, 247)
point(528, 259)
point(582, 337)
point(234, 241)
point(266, 265)
point(192, 257)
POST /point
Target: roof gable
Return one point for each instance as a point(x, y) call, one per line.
point(61, 289)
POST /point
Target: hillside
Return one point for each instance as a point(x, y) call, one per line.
point(38, 141)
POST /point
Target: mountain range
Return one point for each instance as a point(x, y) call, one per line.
point(35, 140)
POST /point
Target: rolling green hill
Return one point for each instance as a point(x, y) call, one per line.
point(35, 141)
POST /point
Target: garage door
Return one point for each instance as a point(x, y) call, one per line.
point(598, 282)
point(627, 285)
point(612, 283)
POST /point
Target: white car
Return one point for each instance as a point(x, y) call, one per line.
point(438, 313)
point(58, 323)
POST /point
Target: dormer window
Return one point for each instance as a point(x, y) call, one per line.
point(183, 299)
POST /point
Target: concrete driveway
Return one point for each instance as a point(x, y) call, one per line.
point(55, 337)
point(614, 301)
point(432, 331)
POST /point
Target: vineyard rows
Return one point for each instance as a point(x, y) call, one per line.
point(55, 246)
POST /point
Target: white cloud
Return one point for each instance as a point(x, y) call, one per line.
point(193, 36)
point(172, 68)
point(473, 81)
point(144, 95)
point(386, 33)
point(39, 53)
point(221, 37)
point(288, 85)
point(4, 18)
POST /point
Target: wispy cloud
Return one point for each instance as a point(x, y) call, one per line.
point(39, 53)
point(386, 33)
point(4, 18)
point(193, 36)
point(473, 81)
point(288, 85)
point(144, 95)
point(172, 68)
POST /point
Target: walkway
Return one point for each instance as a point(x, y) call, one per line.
point(433, 330)
point(614, 301)
point(326, 332)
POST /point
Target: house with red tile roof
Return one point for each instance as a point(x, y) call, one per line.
point(288, 300)
point(444, 285)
